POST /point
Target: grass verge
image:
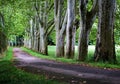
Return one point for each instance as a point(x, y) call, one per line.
point(9, 74)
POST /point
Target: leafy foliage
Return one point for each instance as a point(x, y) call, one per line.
point(16, 14)
point(117, 23)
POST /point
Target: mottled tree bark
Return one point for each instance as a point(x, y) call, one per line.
point(31, 35)
point(43, 26)
point(3, 42)
point(60, 27)
point(3, 37)
point(86, 22)
point(26, 38)
point(70, 32)
point(105, 47)
point(35, 32)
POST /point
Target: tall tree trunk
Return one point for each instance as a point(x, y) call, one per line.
point(43, 42)
point(37, 34)
point(70, 32)
point(35, 38)
point(87, 20)
point(43, 26)
point(39, 40)
point(3, 35)
point(82, 45)
point(105, 47)
point(60, 30)
point(27, 38)
point(31, 35)
point(32, 39)
point(57, 4)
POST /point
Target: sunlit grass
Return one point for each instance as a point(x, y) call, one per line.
point(91, 48)
point(8, 54)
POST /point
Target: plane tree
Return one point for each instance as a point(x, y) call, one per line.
point(105, 45)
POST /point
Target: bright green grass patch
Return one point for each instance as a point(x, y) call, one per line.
point(11, 75)
point(8, 54)
point(51, 56)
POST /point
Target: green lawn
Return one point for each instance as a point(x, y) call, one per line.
point(51, 56)
point(11, 75)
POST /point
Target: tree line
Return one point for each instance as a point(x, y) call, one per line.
point(67, 16)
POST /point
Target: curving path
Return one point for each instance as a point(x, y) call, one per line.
point(72, 74)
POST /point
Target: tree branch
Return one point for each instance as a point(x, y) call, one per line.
point(49, 32)
point(50, 23)
point(2, 20)
point(62, 31)
point(50, 7)
point(42, 24)
point(94, 9)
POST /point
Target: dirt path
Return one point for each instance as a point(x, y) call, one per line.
point(72, 74)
